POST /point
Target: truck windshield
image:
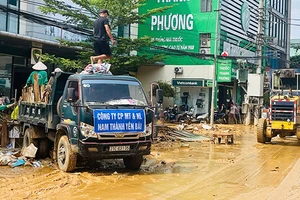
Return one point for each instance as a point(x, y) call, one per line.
point(113, 92)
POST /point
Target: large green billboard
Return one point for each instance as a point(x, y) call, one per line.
point(179, 28)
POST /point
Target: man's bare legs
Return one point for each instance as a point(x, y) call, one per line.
point(99, 58)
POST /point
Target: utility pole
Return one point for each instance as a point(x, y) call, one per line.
point(260, 42)
point(214, 82)
point(256, 96)
point(260, 35)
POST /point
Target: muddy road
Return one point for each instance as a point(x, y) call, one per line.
point(197, 170)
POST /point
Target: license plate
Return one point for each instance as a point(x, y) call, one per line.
point(119, 148)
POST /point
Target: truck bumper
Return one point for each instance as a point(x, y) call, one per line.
point(282, 125)
point(104, 150)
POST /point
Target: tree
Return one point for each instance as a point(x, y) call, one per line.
point(122, 13)
point(169, 90)
point(295, 60)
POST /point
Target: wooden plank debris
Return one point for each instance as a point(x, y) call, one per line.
point(181, 135)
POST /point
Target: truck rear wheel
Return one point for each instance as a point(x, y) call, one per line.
point(66, 159)
point(133, 162)
point(27, 139)
point(43, 150)
point(261, 131)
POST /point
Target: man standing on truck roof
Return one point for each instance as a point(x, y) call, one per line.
point(39, 68)
point(102, 34)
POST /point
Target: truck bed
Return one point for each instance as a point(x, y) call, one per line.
point(40, 113)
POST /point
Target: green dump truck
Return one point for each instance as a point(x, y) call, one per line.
point(94, 116)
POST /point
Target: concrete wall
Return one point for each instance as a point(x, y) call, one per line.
point(150, 74)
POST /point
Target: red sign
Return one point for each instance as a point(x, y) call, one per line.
point(224, 54)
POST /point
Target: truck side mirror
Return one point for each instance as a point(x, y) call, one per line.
point(159, 96)
point(71, 95)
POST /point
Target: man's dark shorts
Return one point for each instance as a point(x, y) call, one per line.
point(102, 47)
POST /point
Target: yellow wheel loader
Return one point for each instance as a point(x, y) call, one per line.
point(284, 119)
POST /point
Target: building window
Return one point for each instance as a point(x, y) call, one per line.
point(12, 23)
point(124, 31)
point(3, 21)
point(13, 2)
point(206, 5)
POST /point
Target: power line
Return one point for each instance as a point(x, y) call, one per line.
point(46, 21)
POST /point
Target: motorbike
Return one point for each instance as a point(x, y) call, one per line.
point(219, 118)
point(203, 118)
point(171, 113)
point(187, 116)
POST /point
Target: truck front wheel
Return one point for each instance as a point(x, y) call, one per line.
point(66, 159)
point(133, 162)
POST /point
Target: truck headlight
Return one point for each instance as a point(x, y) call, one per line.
point(87, 130)
point(148, 130)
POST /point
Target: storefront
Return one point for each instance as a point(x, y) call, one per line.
point(16, 60)
point(193, 93)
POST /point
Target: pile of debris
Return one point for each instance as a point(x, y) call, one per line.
point(178, 134)
point(16, 158)
point(197, 133)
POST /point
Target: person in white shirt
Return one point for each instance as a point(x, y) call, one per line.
point(233, 112)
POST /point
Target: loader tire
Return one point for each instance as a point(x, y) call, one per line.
point(298, 133)
point(261, 131)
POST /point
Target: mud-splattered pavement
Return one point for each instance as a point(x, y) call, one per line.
point(195, 170)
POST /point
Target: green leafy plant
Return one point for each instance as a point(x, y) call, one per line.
point(168, 89)
point(122, 13)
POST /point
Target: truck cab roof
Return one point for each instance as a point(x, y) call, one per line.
point(102, 76)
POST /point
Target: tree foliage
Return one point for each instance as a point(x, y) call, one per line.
point(122, 13)
point(168, 89)
point(295, 60)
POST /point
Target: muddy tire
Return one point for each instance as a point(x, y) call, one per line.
point(261, 131)
point(133, 162)
point(43, 150)
point(66, 159)
point(298, 133)
point(27, 139)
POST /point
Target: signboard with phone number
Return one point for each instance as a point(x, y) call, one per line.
point(119, 120)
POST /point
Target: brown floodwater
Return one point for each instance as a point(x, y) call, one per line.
point(174, 170)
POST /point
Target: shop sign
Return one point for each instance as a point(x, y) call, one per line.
point(224, 71)
point(208, 83)
point(176, 28)
point(36, 55)
point(180, 82)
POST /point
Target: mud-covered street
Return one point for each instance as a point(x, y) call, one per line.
point(174, 170)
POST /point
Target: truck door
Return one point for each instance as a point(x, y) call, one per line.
point(70, 112)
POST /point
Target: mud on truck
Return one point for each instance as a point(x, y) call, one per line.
point(94, 116)
point(284, 111)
